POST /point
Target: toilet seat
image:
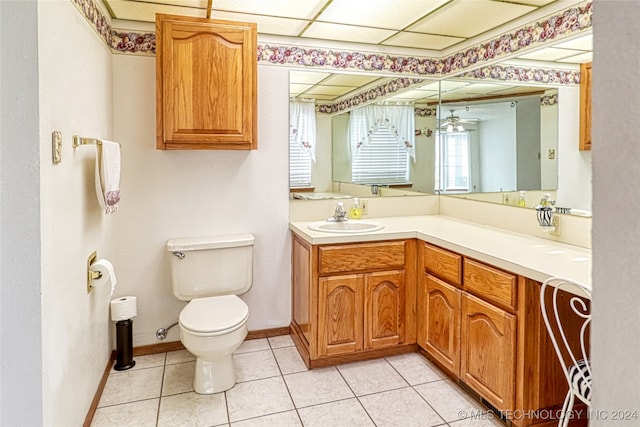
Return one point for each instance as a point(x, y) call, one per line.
point(214, 315)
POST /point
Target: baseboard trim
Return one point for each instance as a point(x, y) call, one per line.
point(266, 333)
point(98, 395)
point(163, 347)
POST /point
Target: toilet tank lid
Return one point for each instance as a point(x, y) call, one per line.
point(210, 242)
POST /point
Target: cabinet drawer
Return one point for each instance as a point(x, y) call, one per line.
point(443, 264)
point(491, 284)
point(360, 257)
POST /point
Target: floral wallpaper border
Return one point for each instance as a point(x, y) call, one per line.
point(565, 23)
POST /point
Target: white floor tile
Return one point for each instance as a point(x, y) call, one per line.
point(132, 385)
point(282, 419)
point(403, 407)
point(449, 400)
point(253, 345)
point(179, 356)
point(257, 398)
point(371, 376)
point(344, 413)
point(289, 360)
point(255, 365)
point(148, 361)
point(415, 369)
point(142, 413)
point(317, 386)
point(191, 409)
point(281, 341)
point(178, 378)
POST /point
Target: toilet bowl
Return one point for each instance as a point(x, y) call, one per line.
point(210, 272)
point(212, 329)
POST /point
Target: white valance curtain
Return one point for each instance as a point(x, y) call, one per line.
point(363, 122)
point(302, 126)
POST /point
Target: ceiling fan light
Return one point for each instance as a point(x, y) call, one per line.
point(460, 128)
point(449, 127)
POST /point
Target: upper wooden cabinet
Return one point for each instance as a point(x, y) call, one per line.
point(585, 106)
point(206, 84)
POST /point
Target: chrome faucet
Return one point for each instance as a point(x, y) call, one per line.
point(339, 215)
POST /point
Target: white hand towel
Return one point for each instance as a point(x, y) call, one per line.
point(108, 175)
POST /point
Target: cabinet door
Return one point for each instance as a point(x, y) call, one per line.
point(439, 322)
point(340, 317)
point(384, 309)
point(206, 83)
point(488, 350)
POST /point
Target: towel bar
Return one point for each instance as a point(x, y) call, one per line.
point(78, 141)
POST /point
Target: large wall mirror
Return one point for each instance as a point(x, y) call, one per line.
point(471, 138)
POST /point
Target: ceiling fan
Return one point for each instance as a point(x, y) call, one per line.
point(454, 123)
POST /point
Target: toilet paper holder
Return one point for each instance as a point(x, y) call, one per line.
point(92, 275)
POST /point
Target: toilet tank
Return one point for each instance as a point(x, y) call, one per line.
point(211, 266)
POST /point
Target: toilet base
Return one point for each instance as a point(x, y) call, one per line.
point(214, 377)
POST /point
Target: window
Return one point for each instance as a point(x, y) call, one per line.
point(302, 141)
point(381, 161)
point(299, 165)
point(452, 162)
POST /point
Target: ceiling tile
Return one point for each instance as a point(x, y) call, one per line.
point(294, 9)
point(467, 18)
point(580, 43)
point(329, 90)
point(578, 59)
point(307, 76)
point(266, 24)
point(550, 54)
point(391, 14)
point(351, 80)
point(139, 11)
point(421, 41)
point(347, 33)
point(536, 3)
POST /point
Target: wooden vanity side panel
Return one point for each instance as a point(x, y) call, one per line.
point(301, 286)
point(384, 306)
point(444, 264)
point(491, 284)
point(361, 257)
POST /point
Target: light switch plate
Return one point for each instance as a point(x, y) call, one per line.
point(56, 146)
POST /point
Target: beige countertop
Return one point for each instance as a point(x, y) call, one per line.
point(529, 256)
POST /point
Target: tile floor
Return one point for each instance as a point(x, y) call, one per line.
point(276, 389)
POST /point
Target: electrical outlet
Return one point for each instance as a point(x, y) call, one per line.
point(365, 205)
point(555, 221)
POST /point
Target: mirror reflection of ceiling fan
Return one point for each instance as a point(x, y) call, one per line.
point(454, 123)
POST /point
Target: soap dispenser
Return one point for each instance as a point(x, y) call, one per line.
point(521, 200)
point(356, 210)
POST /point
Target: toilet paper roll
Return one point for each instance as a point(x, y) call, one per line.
point(123, 308)
point(108, 274)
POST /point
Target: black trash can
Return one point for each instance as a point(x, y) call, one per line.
point(124, 345)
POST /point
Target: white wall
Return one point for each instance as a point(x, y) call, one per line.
point(169, 194)
point(549, 140)
point(498, 168)
point(321, 170)
point(20, 305)
point(574, 166)
point(75, 98)
point(616, 224)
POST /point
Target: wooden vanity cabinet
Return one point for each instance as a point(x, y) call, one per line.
point(206, 84)
point(353, 301)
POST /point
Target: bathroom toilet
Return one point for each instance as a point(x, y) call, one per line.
point(210, 272)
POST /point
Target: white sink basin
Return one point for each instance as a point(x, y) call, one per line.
point(358, 226)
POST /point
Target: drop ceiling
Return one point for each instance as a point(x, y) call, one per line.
point(429, 27)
